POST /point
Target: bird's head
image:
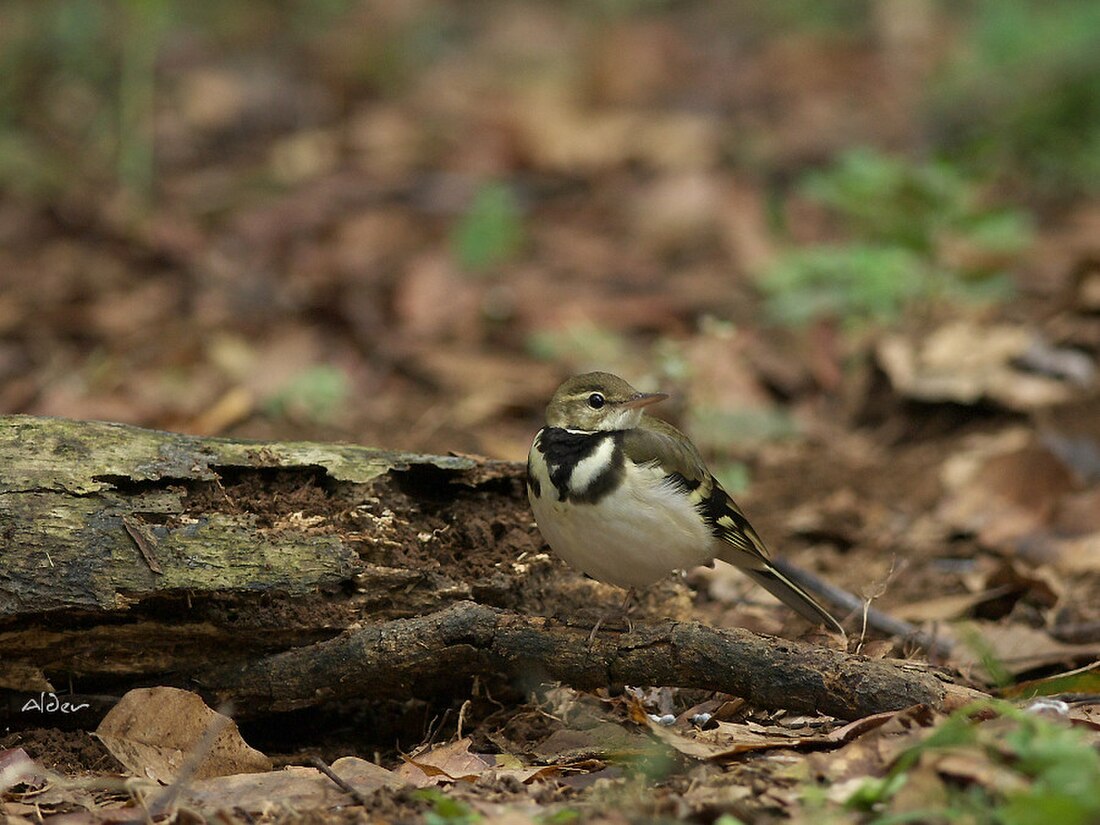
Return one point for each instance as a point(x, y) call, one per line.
point(598, 402)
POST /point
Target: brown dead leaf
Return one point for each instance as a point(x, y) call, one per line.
point(972, 764)
point(210, 99)
point(998, 588)
point(1085, 715)
point(1079, 513)
point(553, 132)
point(1003, 487)
point(485, 384)
point(745, 229)
point(1078, 555)
point(728, 739)
point(454, 762)
point(677, 141)
point(24, 678)
point(365, 776)
point(294, 788)
point(871, 754)
point(924, 789)
point(721, 376)
point(367, 242)
point(605, 739)
point(634, 62)
point(233, 407)
point(1038, 585)
point(451, 761)
point(946, 608)
point(153, 731)
point(434, 300)
point(713, 796)
point(966, 362)
point(17, 768)
point(386, 141)
point(676, 213)
point(1017, 648)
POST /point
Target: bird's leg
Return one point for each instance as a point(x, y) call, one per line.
point(628, 602)
point(595, 630)
point(623, 608)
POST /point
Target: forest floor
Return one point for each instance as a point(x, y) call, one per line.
point(348, 242)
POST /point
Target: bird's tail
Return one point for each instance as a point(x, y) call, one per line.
point(792, 595)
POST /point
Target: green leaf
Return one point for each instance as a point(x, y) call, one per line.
point(316, 394)
point(1083, 680)
point(491, 232)
point(853, 283)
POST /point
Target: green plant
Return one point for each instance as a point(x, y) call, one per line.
point(1022, 95)
point(79, 80)
point(734, 476)
point(919, 233)
point(855, 281)
point(316, 395)
point(579, 343)
point(995, 669)
point(491, 231)
point(564, 816)
point(1046, 771)
point(445, 809)
point(715, 429)
point(895, 202)
point(53, 52)
point(145, 22)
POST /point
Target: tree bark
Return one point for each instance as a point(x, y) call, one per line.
point(468, 640)
point(285, 575)
point(129, 553)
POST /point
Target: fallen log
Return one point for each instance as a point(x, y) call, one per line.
point(129, 553)
point(287, 575)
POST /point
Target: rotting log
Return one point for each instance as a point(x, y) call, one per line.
point(284, 575)
point(128, 553)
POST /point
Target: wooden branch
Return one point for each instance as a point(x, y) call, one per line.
point(437, 653)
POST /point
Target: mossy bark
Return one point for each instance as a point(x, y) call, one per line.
point(131, 551)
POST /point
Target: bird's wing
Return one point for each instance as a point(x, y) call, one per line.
point(739, 544)
point(658, 441)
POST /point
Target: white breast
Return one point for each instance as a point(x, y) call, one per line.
point(631, 537)
point(589, 469)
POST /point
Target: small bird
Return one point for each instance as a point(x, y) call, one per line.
point(627, 499)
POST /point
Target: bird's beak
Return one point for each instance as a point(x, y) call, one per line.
point(644, 399)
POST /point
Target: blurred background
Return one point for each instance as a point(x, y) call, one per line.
point(402, 223)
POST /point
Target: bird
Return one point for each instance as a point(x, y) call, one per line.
point(626, 498)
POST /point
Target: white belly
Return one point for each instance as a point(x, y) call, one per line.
point(631, 537)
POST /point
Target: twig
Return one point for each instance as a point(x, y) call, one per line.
point(342, 783)
point(162, 803)
point(145, 541)
point(843, 600)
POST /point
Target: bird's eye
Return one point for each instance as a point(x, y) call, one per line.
point(595, 401)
